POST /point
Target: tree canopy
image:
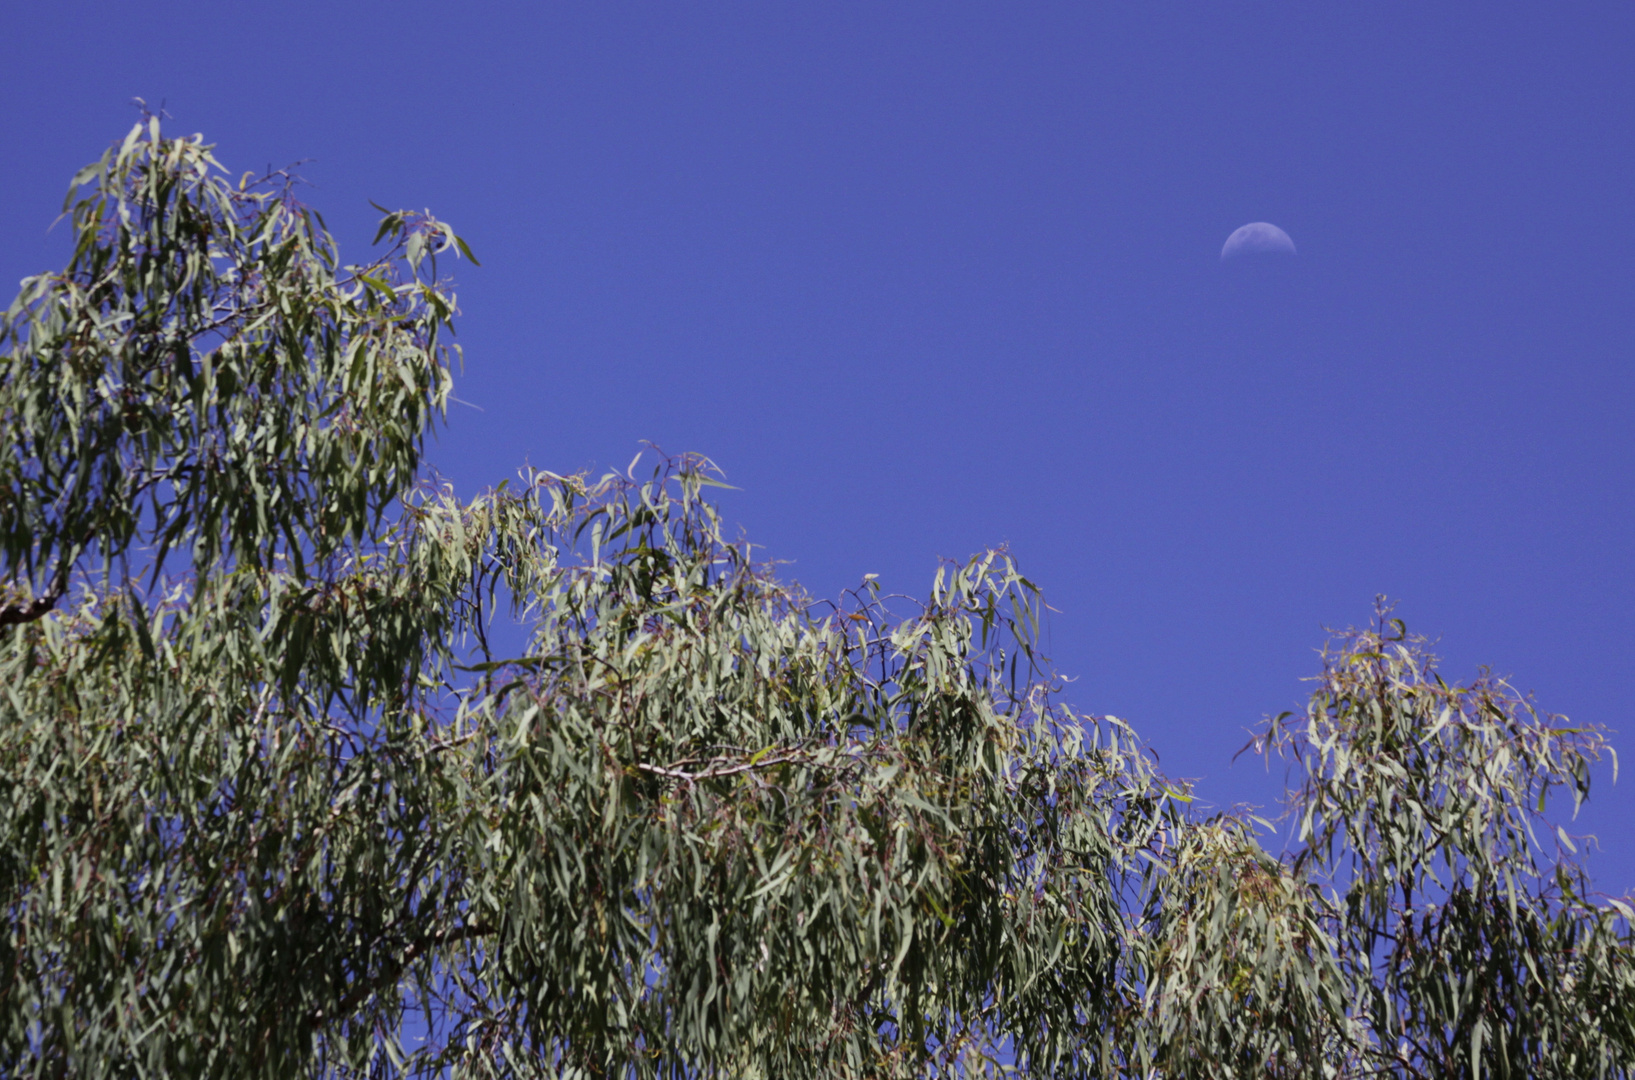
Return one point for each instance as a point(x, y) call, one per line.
point(279, 797)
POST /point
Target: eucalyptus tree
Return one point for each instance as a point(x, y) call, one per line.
point(278, 800)
point(1462, 927)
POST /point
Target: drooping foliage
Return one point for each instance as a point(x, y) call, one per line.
point(310, 767)
point(1464, 930)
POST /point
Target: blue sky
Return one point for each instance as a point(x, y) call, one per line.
point(926, 278)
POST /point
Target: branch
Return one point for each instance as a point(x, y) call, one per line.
point(363, 989)
point(18, 614)
point(716, 771)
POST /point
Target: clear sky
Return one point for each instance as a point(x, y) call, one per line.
point(924, 278)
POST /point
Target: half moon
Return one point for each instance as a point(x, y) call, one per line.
point(1257, 238)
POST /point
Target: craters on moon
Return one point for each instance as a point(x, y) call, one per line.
point(1257, 238)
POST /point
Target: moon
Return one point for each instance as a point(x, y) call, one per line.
point(1257, 238)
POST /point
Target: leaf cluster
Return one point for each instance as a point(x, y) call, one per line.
point(309, 766)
